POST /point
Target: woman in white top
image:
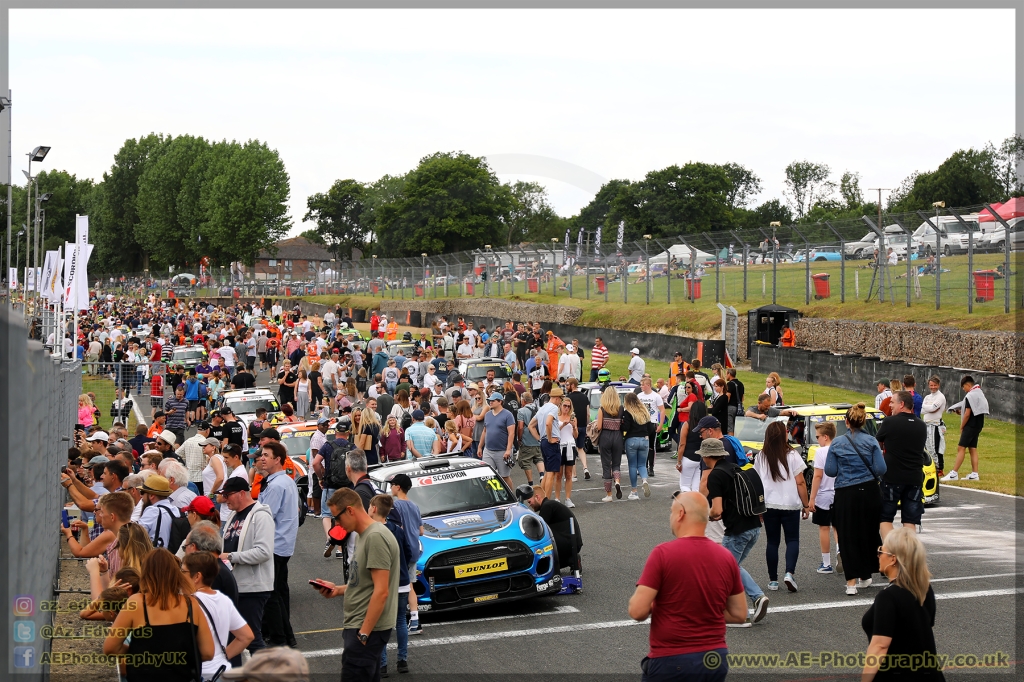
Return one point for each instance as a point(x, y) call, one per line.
point(785, 495)
point(221, 614)
point(233, 464)
point(214, 473)
point(567, 443)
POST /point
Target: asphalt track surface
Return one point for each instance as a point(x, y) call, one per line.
point(970, 537)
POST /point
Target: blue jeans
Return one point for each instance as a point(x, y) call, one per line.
point(403, 632)
point(695, 666)
point(740, 546)
point(636, 458)
point(593, 375)
point(775, 522)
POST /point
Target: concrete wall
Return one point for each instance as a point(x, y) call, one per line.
point(860, 373)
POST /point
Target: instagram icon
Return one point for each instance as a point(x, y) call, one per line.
point(24, 605)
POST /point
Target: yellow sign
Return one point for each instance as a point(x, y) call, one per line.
point(486, 597)
point(481, 568)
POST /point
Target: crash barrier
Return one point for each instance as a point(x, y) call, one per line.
point(861, 373)
point(38, 412)
point(755, 266)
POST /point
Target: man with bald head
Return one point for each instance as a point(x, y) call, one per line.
point(690, 587)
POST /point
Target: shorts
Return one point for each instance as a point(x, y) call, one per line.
point(193, 404)
point(326, 494)
point(315, 489)
point(157, 401)
point(529, 455)
point(552, 453)
point(496, 458)
point(821, 517)
point(263, 357)
point(581, 439)
point(250, 361)
point(969, 436)
point(569, 455)
point(907, 496)
point(329, 390)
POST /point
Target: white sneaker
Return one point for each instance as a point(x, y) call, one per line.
point(951, 476)
point(575, 478)
point(851, 590)
point(569, 503)
point(606, 498)
point(973, 476)
point(633, 496)
point(647, 488)
point(865, 583)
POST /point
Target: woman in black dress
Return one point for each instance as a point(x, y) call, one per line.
point(899, 624)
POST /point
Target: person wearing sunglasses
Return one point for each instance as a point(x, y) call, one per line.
point(899, 623)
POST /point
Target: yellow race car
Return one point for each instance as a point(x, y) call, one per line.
point(750, 432)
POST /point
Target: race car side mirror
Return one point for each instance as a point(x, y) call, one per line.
point(524, 492)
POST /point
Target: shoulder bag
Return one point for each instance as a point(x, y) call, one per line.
point(864, 459)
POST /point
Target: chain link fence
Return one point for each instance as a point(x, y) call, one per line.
point(959, 257)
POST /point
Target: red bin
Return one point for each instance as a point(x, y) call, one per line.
point(532, 285)
point(984, 285)
point(469, 288)
point(599, 281)
point(821, 285)
point(419, 290)
point(696, 289)
point(478, 269)
point(374, 288)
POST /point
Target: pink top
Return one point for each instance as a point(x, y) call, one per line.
point(85, 415)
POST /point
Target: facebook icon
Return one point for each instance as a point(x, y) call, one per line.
point(24, 656)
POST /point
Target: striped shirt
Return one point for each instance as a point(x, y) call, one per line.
point(599, 357)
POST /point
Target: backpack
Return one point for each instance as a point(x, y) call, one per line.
point(749, 492)
point(180, 528)
point(334, 471)
point(406, 420)
point(741, 456)
point(533, 408)
point(204, 392)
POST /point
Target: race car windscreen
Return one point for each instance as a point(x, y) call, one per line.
point(186, 355)
point(250, 406)
point(752, 429)
point(296, 443)
point(870, 426)
point(459, 491)
point(478, 371)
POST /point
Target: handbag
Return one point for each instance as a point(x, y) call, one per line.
point(195, 644)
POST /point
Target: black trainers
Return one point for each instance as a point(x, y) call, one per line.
point(403, 667)
point(586, 474)
point(383, 671)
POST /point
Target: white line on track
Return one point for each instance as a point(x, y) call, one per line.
point(606, 625)
point(975, 577)
point(557, 611)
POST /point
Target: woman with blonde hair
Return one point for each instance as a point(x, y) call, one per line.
point(368, 435)
point(392, 440)
point(85, 411)
point(856, 462)
point(464, 422)
point(303, 394)
point(900, 621)
point(636, 426)
point(133, 545)
point(610, 444)
point(895, 386)
point(772, 383)
point(453, 439)
point(173, 619)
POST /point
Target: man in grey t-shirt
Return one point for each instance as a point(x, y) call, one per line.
point(765, 410)
point(497, 436)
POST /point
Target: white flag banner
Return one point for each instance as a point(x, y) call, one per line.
point(618, 238)
point(82, 276)
point(82, 229)
point(579, 244)
point(12, 278)
point(30, 279)
point(597, 242)
point(70, 291)
point(49, 263)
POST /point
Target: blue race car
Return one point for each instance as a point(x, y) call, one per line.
point(822, 253)
point(479, 544)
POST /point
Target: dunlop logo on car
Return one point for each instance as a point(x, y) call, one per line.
point(481, 568)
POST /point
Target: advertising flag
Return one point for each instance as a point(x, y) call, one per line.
point(579, 244)
point(618, 238)
point(597, 242)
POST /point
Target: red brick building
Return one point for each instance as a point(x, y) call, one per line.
point(296, 259)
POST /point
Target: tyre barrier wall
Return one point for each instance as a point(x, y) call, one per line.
point(861, 373)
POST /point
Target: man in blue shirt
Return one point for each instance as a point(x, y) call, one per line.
point(420, 440)
point(279, 494)
point(908, 385)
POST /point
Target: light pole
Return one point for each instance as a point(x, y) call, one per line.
point(487, 270)
point(372, 264)
point(938, 256)
point(647, 257)
point(423, 261)
point(5, 103)
point(775, 257)
point(37, 154)
point(554, 268)
point(17, 257)
point(331, 285)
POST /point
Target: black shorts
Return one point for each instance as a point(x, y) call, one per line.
point(906, 497)
point(969, 436)
point(263, 357)
point(552, 453)
point(566, 451)
point(157, 402)
point(821, 517)
point(250, 361)
point(192, 405)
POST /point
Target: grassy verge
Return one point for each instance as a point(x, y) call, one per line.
point(103, 387)
point(627, 307)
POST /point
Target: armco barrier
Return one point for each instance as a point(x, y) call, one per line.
point(861, 373)
point(38, 411)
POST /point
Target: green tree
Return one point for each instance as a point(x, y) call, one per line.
point(745, 185)
point(967, 178)
point(531, 218)
point(451, 201)
point(1009, 159)
point(387, 190)
point(849, 189)
point(244, 199)
point(675, 200)
point(161, 230)
point(806, 184)
point(338, 214)
point(764, 215)
point(117, 249)
point(601, 209)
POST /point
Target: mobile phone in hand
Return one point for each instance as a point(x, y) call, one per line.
point(317, 583)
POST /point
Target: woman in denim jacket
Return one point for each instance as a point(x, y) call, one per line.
point(856, 462)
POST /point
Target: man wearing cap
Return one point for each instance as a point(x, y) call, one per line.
point(111, 478)
point(420, 440)
point(281, 496)
point(636, 367)
point(321, 464)
point(157, 511)
point(176, 409)
point(249, 547)
point(234, 429)
point(544, 427)
point(741, 532)
point(569, 364)
point(498, 436)
point(192, 452)
point(316, 442)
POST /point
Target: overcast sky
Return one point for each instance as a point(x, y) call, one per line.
point(617, 93)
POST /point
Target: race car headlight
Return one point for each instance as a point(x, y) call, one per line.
point(531, 526)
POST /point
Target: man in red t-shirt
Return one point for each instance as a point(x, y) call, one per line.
point(690, 588)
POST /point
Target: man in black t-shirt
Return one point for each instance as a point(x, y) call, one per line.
point(557, 516)
point(217, 427)
point(243, 379)
point(902, 437)
point(741, 532)
point(234, 430)
point(734, 389)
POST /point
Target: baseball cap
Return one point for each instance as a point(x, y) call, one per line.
point(636, 351)
point(99, 435)
point(270, 433)
point(234, 484)
point(200, 505)
point(98, 459)
point(210, 441)
point(473, 386)
point(708, 422)
point(323, 420)
point(343, 425)
point(203, 425)
point(495, 396)
point(276, 664)
point(224, 411)
point(570, 348)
